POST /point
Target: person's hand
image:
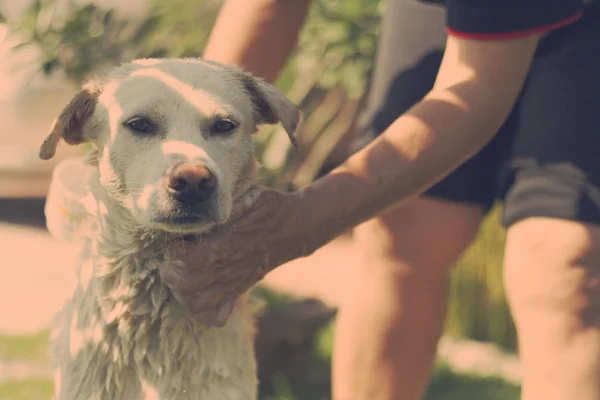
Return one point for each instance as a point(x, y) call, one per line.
point(209, 272)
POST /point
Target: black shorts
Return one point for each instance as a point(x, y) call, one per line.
point(545, 160)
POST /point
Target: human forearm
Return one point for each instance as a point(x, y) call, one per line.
point(257, 35)
point(408, 158)
point(455, 120)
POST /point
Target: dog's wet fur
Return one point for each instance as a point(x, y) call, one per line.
point(174, 150)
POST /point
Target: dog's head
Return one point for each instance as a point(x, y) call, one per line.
point(173, 137)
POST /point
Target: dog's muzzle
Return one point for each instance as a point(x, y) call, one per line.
point(191, 184)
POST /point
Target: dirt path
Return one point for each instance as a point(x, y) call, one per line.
point(36, 273)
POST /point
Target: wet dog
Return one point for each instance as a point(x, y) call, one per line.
point(174, 150)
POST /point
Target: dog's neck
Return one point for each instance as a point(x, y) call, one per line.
point(128, 258)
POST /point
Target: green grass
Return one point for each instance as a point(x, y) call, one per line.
point(28, 389)
point(25, 347)
point(445, 384)
point(478, 308)
point(448, 385)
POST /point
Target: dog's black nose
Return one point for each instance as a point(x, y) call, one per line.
point(191, 183)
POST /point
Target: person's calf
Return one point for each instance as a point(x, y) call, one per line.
point(552, 272)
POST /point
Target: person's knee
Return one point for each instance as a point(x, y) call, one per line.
point(552, 269)
point(424, 234)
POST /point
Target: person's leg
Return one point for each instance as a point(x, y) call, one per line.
point(387, 332)
point(552, 271)
point(552, 210)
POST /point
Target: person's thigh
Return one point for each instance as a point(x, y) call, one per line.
point(552, 211)
point(424, 233)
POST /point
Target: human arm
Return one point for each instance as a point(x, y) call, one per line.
point(472, 96)
point(487, 57)
point(257, 35)
point(477, 86)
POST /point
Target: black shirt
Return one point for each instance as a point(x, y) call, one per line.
point(500, 19)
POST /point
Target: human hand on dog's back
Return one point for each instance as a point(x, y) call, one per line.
point(209, 273)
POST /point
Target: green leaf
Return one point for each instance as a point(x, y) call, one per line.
point(145, 29)
point(49, 66)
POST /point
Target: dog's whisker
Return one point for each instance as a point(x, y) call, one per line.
point(224, 158)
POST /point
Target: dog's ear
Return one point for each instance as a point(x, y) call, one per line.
point(272, 106)
point(69, 124)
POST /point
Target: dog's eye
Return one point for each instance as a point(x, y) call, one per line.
point(140, 125)
point(223, 126)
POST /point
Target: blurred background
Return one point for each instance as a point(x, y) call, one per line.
point(48, 47)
